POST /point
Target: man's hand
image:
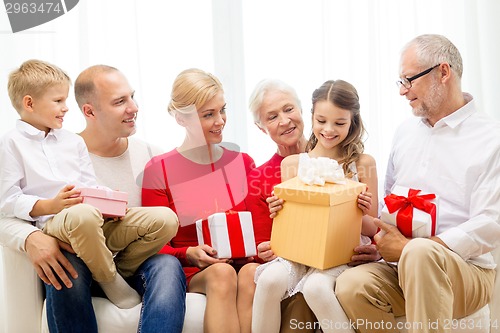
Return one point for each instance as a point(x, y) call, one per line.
point(45, 254)
point(390, 241)
point(364, 254)
point(264, 251)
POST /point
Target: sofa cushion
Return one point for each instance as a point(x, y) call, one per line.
point(111, 319)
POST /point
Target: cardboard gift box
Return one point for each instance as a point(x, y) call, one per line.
point(319, 226)
point(415, 213)
point(230, 234)
point(110, 203)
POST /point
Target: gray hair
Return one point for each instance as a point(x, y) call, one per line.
point(435, 49)
point(263, 87)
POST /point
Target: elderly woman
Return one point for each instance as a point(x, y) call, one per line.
point(277, 112)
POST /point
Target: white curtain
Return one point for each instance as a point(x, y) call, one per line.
point(303, 42)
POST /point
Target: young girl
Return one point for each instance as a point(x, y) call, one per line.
point(337, 133)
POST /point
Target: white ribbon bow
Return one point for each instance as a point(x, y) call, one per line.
point(319, 170)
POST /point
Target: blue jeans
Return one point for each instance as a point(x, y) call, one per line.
point(160, 281)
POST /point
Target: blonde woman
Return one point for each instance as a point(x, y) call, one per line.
point(196, 179)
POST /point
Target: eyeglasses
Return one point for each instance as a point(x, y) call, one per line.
point(406, 82)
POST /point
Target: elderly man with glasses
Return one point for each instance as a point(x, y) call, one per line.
point(453, 150)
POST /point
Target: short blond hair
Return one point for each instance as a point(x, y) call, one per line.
point(33, 77)
point(193, 87)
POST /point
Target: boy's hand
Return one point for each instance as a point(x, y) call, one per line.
point(67, 197)
point(50, 264)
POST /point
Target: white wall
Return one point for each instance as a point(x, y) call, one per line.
point(303, 42)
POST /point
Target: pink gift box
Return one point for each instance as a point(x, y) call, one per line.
point(230, 234)
point(110, 203)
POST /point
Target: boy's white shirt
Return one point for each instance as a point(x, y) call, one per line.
point(36, 166)
point(13, 231)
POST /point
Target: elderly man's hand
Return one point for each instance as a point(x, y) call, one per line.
point(390, 241)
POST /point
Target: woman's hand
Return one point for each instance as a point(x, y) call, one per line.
point(365, 202)
point(201, 256)
point(264, 251)
point(275, 205)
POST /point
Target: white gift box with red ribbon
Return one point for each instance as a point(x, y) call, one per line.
point(230, 234)
point(414, 212)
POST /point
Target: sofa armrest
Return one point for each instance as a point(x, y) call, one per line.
point(495, 302)
point(21, 293)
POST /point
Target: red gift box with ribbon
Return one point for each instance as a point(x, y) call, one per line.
point(230, 234)
point(414, 212)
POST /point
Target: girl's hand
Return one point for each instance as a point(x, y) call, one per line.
point(275, 205)
point(201, 256)
point(264, 251)
point(365, 202)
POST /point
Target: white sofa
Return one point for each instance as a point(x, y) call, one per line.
point(22, 306)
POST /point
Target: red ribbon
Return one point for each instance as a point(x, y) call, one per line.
point(206, 232)
point(235, 234)
point(405, 205)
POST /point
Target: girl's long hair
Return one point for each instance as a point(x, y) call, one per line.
point(343, 95)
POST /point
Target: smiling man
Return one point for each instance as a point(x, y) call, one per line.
point(107, 101)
